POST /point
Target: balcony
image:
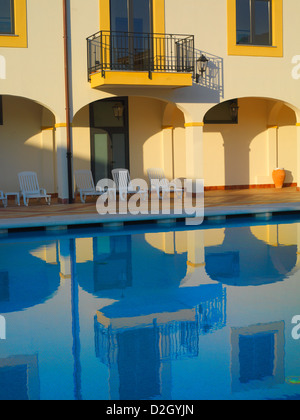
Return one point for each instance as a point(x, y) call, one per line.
point(118, 59)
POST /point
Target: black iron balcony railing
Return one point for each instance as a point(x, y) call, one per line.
point(125, 51)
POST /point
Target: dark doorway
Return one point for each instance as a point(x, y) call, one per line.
point(109, 138)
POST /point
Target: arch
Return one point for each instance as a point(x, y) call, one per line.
point(274, 107)
point(27, 142)
point(248, 152)
point(149, 144)
point(38, 102)
point(189, 110)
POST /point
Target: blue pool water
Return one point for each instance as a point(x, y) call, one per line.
point(152, 313)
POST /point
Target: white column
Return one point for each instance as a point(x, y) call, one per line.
point(64, 259)
point(273, 158)
point(298, 156)
point(168, 152)
point(196, 249)
point(194, 150)
point(61, 162)
point(49, 160)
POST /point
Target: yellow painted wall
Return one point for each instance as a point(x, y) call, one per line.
point(235, 154)
point(145, 135)
point(21, 143)
point(179, 144)
point(36, 72)
point(287, 143)
point(81, 140)
point(19, 38)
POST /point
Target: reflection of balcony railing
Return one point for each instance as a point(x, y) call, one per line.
point(174, 339)
point(125, 51)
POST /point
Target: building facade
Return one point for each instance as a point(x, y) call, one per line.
point(230, 124)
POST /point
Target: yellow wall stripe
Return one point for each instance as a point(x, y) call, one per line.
point(194, 124)
point(195, 265)
point(104, 6)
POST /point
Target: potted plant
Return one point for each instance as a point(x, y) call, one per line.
point(278, 177)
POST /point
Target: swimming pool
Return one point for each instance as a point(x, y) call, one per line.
point(152, 313)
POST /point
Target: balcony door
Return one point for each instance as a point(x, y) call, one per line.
point(109, 138)
point(131, 34)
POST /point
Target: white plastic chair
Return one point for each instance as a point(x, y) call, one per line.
point(3, 198)
point(29, 188)
point(124, 185)
point(85, 185)
point(161, 185)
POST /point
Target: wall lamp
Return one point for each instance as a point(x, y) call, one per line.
point(234, 110)
point(118, 109)
point(202, 62)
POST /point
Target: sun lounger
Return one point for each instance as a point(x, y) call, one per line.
point(3, 198)
point(124, 185)
point(161, 185)
point(29, 188)
point(85, 185)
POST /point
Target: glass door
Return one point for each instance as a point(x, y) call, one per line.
point(109, 138)
point(131, 37)
point(101, 146)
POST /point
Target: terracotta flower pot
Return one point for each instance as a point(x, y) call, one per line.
point(278, 177)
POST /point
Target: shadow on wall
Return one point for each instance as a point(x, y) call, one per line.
point(24, 146)
point(289, 179)
point(213, 78)
point(251, 151)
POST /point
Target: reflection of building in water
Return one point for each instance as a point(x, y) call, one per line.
point(257, 359)
point(244, 260)
point(104, 263)
point(36, 281)
point(138, 350)
point(19, 378)
point(240, 256)
point(112, 262)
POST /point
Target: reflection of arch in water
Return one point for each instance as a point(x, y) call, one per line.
point(113, 263)
point(25, 281)
point(243, 260)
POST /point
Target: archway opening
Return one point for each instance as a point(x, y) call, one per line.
point(244, 153)
point(27, 143)
point(146, 136)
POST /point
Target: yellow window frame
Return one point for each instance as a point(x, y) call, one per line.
point(19, 38)
point(158, 19)
point(158, 16)
point(275, 50)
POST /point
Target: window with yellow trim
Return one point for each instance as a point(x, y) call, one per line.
point(255, 28)
point(7, 25)
point(13, 23)
point(132, 15)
